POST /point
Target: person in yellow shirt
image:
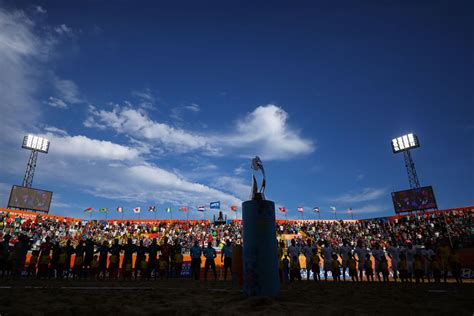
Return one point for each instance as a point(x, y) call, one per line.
point(163, 267)
point(143, 267)
point(94, 266)
point(383, 266)
point(178, 264)
point(418, 269)
point(335, 268)
point(315, 260)
point(352, 265)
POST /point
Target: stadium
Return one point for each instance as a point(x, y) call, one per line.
point(197, 158)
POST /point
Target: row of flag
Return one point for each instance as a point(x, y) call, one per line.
point(315, 209)
point(137, 210)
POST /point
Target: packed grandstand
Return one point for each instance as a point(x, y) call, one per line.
point(398, 246)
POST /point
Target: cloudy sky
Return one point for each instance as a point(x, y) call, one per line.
point(164, 104)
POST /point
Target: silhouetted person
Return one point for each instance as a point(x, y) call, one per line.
point(210, 254)
point(226, 257)
point(103, 256)
point(141, 255)
point(196, 253)
point(152, 259)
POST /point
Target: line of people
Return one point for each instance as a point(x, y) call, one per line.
point(405, 263)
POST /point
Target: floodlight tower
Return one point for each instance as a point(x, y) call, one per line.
point(404, 144)
point(37, 145)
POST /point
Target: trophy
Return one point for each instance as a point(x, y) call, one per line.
point(260, 260)
point(257, 194)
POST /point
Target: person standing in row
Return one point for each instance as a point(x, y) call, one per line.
point(226, 257)
point(210, 254)
point(196, 253)
point(345, 250)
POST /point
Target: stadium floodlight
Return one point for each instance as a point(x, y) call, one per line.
point(37, 145)
point(404, 143)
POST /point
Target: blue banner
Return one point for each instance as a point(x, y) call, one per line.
point(215, 205)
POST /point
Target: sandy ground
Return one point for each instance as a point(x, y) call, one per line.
point(185, 297)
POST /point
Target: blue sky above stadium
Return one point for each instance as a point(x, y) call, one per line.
point(165, 103)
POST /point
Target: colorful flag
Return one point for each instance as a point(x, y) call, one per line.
point(349, 210)
point(88, 210)
point(136, 210)
point(316, 209)
point(233, 208)
point(103, 210)
point(183, 209)
point(282, 209)
point(215, 205)
point(300, 209)
point(168, 210)
point(333, 208)
point(119, 209)
point(201, 208)
point(151, 208)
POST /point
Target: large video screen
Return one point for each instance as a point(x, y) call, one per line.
point(30, 199)
point(414, 200)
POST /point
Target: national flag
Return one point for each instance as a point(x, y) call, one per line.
point(333, 208)
point(168, 210)
point(282, 209)
point(136, 210)
point(119, 209)
point(300, 209)
point(349, 210)
point(103, 210)
point(88, 210)
point(233, 208)
point(201, 208)
point(183, 209)
point(215, 205)
point(151, 208)
point(316, 209)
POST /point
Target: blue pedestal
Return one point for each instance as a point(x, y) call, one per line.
point(260, 249)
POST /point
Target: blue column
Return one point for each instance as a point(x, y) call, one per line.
point(260, 249)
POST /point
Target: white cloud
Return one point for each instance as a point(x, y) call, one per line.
point(371, 208)
point(40, 9)
point(67, 90)
point(57, 103)
point(367, 194)
point(83, 147)
point(146, 97)
point(137, 124)
point(236, 186)
point(193, 107)
point(239, 170)
point(264, 132)
point(63, 29)
point(20, 55)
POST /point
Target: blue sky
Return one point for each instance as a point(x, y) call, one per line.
point(164, 104)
